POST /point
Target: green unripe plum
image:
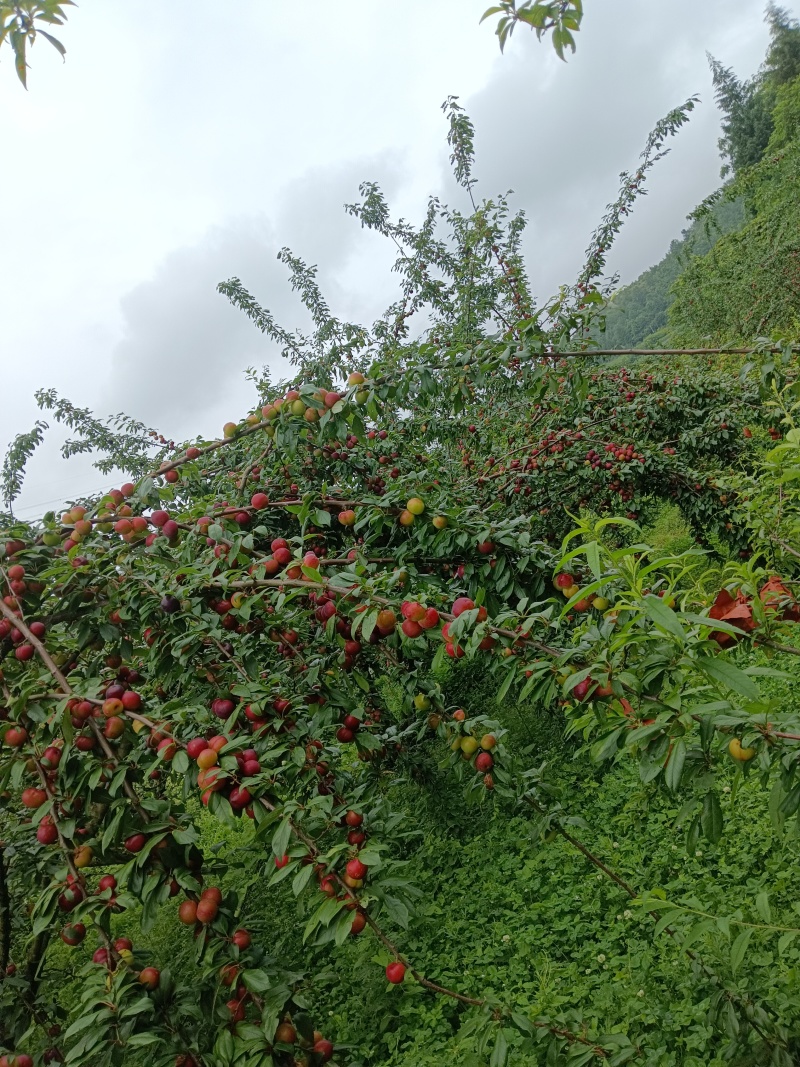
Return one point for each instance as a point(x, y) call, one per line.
point(469, 746)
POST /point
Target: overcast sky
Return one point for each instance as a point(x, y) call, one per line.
point(185, 142)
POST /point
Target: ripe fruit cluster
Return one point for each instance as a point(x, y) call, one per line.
point(229, 633)
point(476, 748)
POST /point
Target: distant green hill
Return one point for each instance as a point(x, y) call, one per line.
point(748, 285)
point(637, 315)
point(735, 274)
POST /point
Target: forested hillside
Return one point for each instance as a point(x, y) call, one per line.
point(735, 274)
point(637, 314)
point(749, 284)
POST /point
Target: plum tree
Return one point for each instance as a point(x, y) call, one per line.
point(220, 646)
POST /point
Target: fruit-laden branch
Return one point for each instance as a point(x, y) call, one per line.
point(386, 941)
point(47, 659)
point(313, 852)
point(195, 452)
point(130, 792)
point(347, 591)
point(244, 432)
point(62, 844)
point(300, 834)
point(67, 690)
point(311, 845)
point(434, 987)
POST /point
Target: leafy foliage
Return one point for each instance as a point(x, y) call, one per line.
point(20, 26)
point(561, 18)
point(19, 452)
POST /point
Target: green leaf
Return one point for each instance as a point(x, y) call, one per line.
point(674, 768)
point(145, 1037)
point(579, 1055)
point(762, 906)
point(87, 1020)
point(697, 930)
point(300, 880)
point(323, 916)
point(666, 920)
point(342, 928)
point(396, 910)
point(280, 839)
point(774, 805)
point(112, 827)
point(721, 670)
point(624, 1055)
point(312, 574)
point(711, 817)
point(712, 624)
point(257, 981)
point(607, 746)
point(791, 802)
point(593, 558)
point(368, 625)
point(53, 41)
point(785, 940)
point(663, 616)
point(18, 44)
point(739, 948)
point(369, 858)
point(224, 1047)
point(280, 873)
point(523, 1023)
point(508, 681)
point(499, 1057)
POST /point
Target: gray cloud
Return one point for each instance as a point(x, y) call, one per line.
point(184, 347)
